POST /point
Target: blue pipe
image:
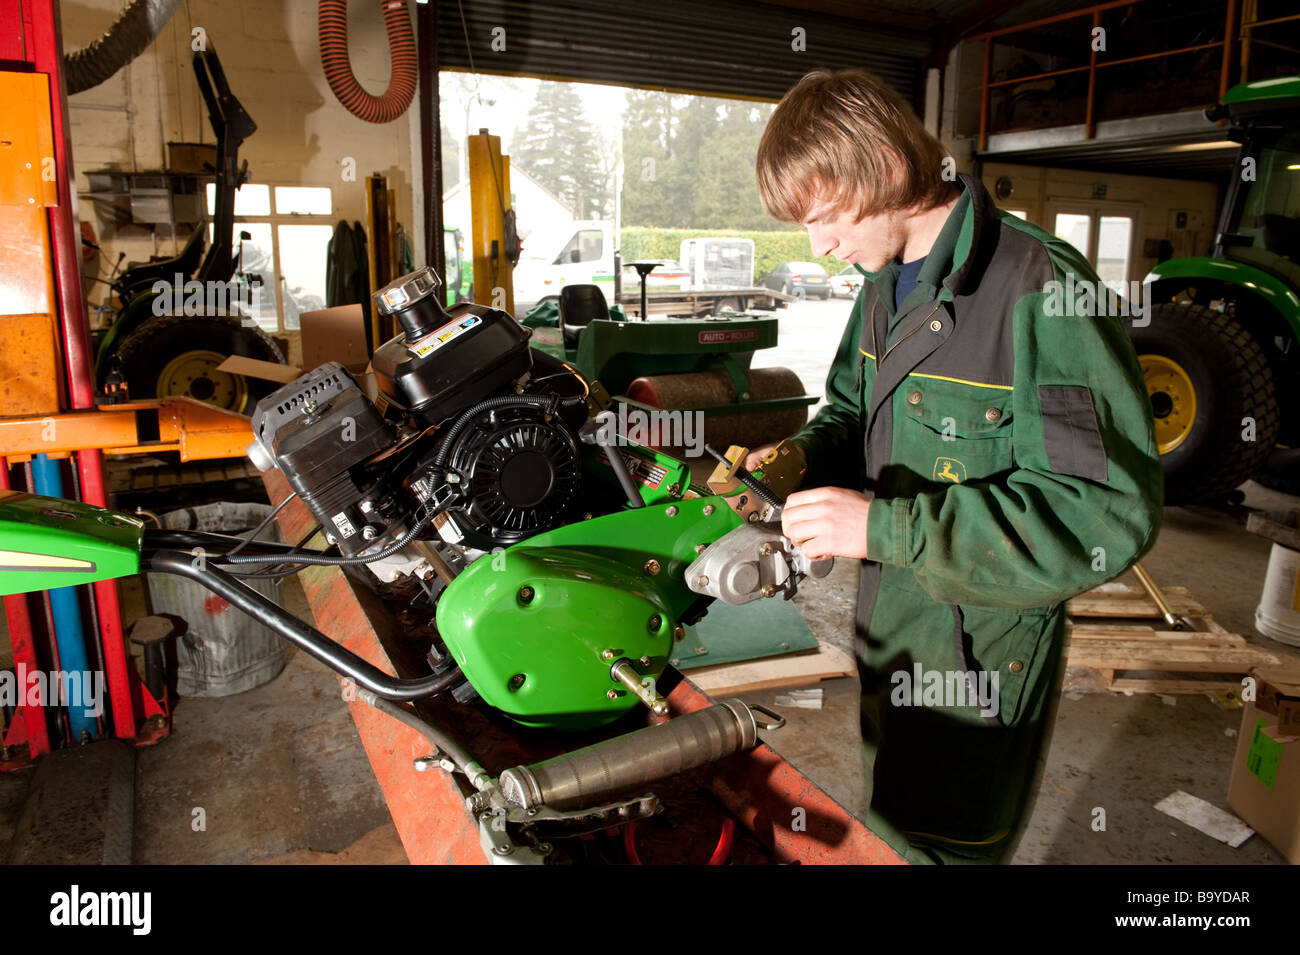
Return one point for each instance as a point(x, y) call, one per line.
point(69, 635)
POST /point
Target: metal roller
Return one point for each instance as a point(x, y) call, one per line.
point(708, 389)
point(592, 774)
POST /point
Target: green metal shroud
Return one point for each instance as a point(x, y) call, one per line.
point(530, 626)
point(49, 542)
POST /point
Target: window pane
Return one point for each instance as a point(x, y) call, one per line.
point(1114, 237)
point(1018, 213)
point(1073, 228)
point(250, 200)
point(303, 200)
point(303, 252)
point(255, 269)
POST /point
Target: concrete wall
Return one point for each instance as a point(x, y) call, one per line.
point(271, 56)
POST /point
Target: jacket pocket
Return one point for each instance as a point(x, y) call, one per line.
point(956, 433)
point(1014, 651)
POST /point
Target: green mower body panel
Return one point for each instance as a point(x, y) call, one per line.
point(537, 627)
point(48, 542)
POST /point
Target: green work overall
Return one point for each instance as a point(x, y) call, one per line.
point(1008, 451)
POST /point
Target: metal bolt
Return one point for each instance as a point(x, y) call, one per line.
point(424, 763)
point(526, 595)
point(700, 651)
point(753, 517)
point(674, 489)
point(517, 681)
point(451, 477)
point(369, 532)
point(708, 509)
point(651, 567)
point(612, 694)
point(674, 661)
point(769, 591)
point(644, 661)
point(744, 396)
point(309, 406)
point(765, 549)
point(784, 645)
point(655, 623)
point(503, 850)
point(586, 516)
point(607, 654)
point(679, 633)
point(672, 511)
point(701, 581)
point(701, 548)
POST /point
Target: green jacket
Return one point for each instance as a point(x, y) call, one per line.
point(1009, 454)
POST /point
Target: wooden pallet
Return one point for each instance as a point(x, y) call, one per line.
point(1117, 629)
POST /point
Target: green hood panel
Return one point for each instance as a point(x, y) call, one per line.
point(48, 542)
point(1257, 281)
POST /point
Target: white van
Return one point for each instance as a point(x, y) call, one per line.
point(560, 254)
point(723, 262)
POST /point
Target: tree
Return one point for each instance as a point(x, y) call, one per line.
point(560, 149)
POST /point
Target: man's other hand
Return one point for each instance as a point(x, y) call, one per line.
point(754, 460)
point(827, 522)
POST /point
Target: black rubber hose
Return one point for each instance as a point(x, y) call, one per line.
point(215, 545)
point(302, 635)
point(328, 560)
point(478, 776)
point(549, 402)
point(126, 39)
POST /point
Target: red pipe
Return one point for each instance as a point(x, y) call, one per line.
point(332, 17)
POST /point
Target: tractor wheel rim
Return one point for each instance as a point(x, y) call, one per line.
point(1173, 400)
point(193, 374)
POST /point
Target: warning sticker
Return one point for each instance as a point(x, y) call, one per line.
point(1264, 755)
point(728, 335)
point(431, 342)
point(343, 524)
point(642, 471)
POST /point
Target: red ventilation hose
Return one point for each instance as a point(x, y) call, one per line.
point(332, 16)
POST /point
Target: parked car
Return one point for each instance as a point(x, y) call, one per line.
point(799, 279)
point(669, 275)
point(847, 282)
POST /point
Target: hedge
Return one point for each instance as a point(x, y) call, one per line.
point(770, 248)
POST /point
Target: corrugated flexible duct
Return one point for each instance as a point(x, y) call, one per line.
point(126, 39)
point(332, 16)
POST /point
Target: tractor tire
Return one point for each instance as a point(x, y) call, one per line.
point(1282, 471)
point(1213, 397)
point(174, 355)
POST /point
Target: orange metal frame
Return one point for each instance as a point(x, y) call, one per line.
point(197, 430)
point(987, 84)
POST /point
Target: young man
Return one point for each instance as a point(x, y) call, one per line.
point(986, 450)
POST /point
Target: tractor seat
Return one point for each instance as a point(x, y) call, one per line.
point(579, 306)
point(139, 277)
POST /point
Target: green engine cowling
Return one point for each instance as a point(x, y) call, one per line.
point(48, 542)
point(537, 627)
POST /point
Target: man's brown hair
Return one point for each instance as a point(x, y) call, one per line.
point(846, 136)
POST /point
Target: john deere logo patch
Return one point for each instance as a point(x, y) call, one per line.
point(949, 469)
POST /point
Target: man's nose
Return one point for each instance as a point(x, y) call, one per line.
point(821, 240)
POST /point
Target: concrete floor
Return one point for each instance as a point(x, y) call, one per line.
point(280, 775)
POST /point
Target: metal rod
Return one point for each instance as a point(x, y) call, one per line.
point(1157, 596)
point(300, 634)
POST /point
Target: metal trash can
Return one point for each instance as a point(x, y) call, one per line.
point(223, 651)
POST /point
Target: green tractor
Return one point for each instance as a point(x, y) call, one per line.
point(1219, 353)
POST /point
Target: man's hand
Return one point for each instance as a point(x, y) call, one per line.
point(755, 458)
point(827, 522)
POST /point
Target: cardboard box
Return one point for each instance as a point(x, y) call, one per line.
point(254, 368)
point(335, 334)
point(1264, 789)
point(1277, 692)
